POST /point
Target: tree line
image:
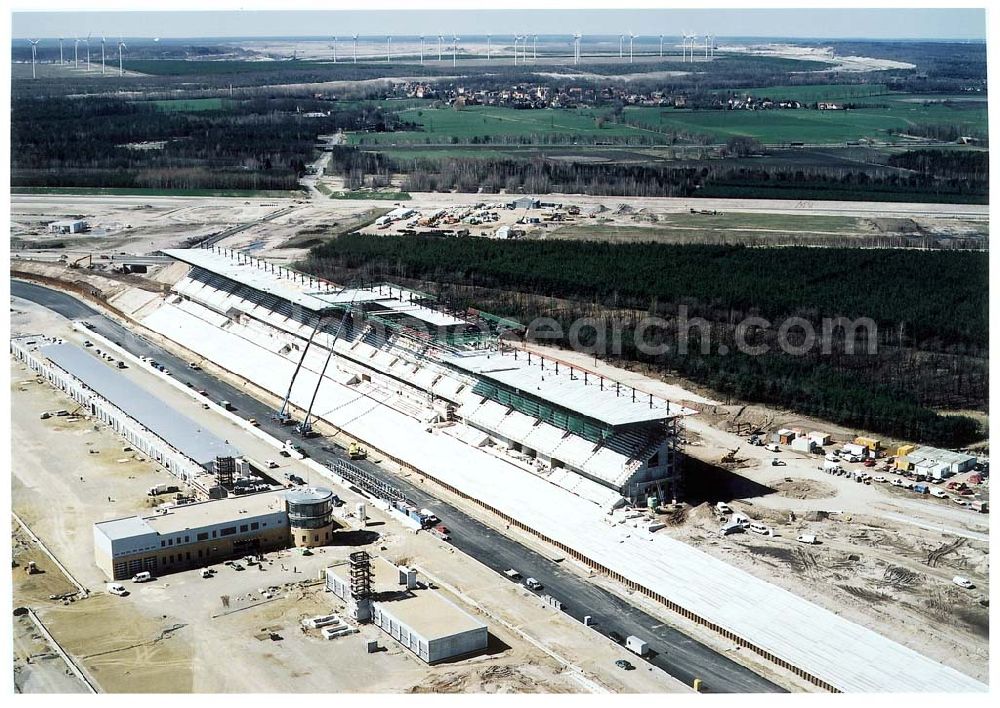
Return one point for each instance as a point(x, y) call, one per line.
point(931, 349)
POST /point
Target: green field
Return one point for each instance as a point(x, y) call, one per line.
point(444, 125)
point(815, 92)
point(811, 126)
point(144, 192)
point(189, 105)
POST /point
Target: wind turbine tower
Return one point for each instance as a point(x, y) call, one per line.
point(534, 47)
point(87, 40)
point(388, 48)
point(489, 47)
point(631, 40)
point(621, 46)
point(421, 50)
point(706, 46)
point(103, 40)
point(576, 47)
point(60, 51)
point(76, 52)
point(515, 49)
point(121, 47)
point(355, 37)
point(440, 47)
point(34, 52)
point(334, 47)
point(454, 52)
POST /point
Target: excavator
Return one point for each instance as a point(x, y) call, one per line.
point(730, 457)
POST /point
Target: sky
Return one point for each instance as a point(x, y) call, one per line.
point(853, 23)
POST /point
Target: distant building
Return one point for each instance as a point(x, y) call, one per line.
point(72, 226)
point(525, 203)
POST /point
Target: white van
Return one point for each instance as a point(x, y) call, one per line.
point(760, 528)
point(143, 577)
point(532, 584)
point(117, 589)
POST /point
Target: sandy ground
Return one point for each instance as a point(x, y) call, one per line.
point(168, 635)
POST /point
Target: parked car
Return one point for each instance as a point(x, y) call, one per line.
point(512, 574)
point(880, 478)
point(807, 538)
point(963, 582)
point(938, 492)
point(533, 584)
point(207, 572)
point(143, 577)
point(117, 589)
point(622, 664)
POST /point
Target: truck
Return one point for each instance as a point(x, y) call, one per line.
point(356, 452)
point(637, 646)
point(292, 450)
point(163, 489)
point(921, 488)
point(227, 405)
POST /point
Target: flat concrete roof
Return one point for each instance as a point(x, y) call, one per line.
point(216, 511)
point(426, 612)
point(194, 516)
point(181, 432)
point(430, 615)
point(128, 527)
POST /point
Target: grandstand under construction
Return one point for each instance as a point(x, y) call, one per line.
point(453, 372)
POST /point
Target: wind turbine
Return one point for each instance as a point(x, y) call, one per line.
point(121, 46)
point(516, 37)
point(707, 37)
point(87, 41)
point(421, 50)
point(76, 52)
point(60, 51)
point(576, 47)
point(621, 46)
point(534, 48)
point(334, 47)
point(34, 50)
point(489, 47)
point(631, 39)
point(103, 40)
point(661, 46)
point(355, 49)
point(440, 47)
point(454, 52)
point(388, 48)
point(694, 42)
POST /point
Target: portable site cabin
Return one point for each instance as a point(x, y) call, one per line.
point(802, 444)
point(784, 436)
point(854, 449)
point(819, 439)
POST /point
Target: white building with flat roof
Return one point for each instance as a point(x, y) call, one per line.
point(422, 620)
point(68, 226)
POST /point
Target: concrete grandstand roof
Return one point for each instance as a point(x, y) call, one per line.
point(572, 392)
point(845, 654)
point(312, 294)
point(181, 432)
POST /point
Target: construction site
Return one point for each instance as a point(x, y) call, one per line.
point(531, 509)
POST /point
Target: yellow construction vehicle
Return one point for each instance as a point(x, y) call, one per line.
point(356, 452)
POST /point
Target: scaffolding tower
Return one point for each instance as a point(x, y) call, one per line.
point(361, 578)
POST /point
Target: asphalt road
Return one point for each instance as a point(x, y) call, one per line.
point(677, 654)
